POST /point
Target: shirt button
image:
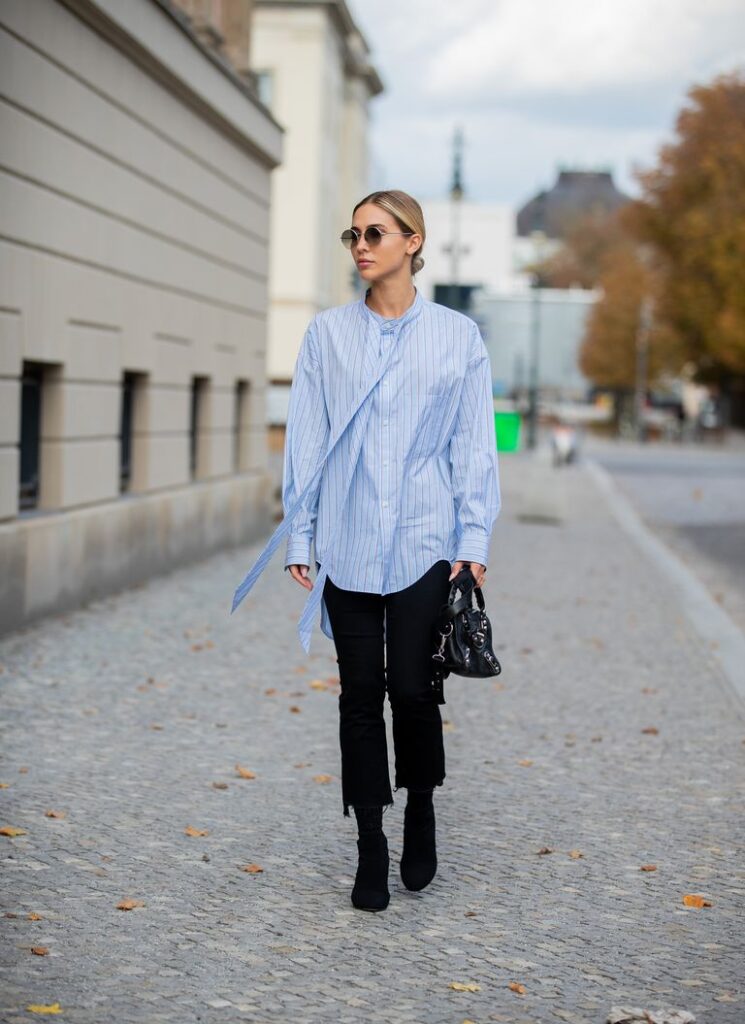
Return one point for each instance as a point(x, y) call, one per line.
point(385, 504)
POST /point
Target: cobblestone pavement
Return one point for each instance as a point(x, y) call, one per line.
point(610, 733)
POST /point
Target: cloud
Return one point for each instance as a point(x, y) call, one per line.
point(534, 48)
point(535, 83)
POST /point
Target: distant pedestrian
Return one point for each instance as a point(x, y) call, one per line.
point(391, 468)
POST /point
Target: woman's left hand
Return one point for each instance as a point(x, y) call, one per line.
point(477, 571)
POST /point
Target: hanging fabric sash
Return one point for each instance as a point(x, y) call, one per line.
point(305, 622)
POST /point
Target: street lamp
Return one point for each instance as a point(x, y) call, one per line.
point(535, 345)
point(642, 365)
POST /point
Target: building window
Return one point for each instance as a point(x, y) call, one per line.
point(32, 382)
point(126, 429)
point(239, 423)
point(198, 391)
point(265, 87)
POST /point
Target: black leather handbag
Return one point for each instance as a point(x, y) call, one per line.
point(462, 636)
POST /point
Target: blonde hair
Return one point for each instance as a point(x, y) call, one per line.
point(407, 213)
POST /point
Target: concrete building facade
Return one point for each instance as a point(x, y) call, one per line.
point(314, 72)
point(133, 295)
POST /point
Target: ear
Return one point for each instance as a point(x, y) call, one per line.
point(413, 244)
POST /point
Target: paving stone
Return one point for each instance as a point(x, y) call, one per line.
point(582, 625)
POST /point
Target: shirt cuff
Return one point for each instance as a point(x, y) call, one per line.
point(473, 546)
point(298, 551)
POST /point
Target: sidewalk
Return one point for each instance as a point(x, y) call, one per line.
point(611, 732)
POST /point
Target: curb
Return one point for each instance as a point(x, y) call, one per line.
point(725, 639)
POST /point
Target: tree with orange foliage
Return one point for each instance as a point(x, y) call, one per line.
point(692, 212)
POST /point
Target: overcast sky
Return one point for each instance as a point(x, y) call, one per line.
point(535, 84)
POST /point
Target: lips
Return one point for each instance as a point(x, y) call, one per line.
point(364, 263)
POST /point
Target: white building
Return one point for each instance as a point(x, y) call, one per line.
point(510, 321)
point(133, 296)
point(314, 73)
point(482, 236)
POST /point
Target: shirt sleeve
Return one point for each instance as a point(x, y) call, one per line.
point(474, 460)
point(306, 439)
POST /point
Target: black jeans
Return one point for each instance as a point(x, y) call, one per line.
point(365, 669)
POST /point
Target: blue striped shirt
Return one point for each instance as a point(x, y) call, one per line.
point(390, 459)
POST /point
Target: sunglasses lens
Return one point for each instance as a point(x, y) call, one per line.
point(348, 237)
point(373, 236)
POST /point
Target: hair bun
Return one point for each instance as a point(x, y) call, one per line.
point(416, 264)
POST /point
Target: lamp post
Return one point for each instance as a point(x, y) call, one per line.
point(535, 347)
point(642, 365)
point(456, 198)
point(539, 238)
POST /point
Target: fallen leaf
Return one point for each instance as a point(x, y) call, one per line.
point(245, 773)
point(526, 762)
point(648, 867)
point(295, 709)
point(516, 986)
point(596, 739)
point(322, 778)
point(219, 785)
point(576, 854)
point(649, 689)
point(156, 728)
point(470, 913)
point(651, 730)
point(40, 950)
point(34, 917)
point(9, 830)
point(303, 764)
point(128, 904)
point(546, 849)
point(54, 814)
point(252, 869)
point(447, 725)
point(692, 899)
point(4, 785)
point(469, 986)
point(268, 692)
point(191, 831)
point(318, 684)
point(41, 1008)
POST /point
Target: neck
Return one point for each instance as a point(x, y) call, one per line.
point(391, 298)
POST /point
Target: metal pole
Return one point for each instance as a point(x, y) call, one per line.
point(535, 340)
point(642, 366)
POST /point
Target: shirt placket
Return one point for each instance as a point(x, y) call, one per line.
point(386, 482)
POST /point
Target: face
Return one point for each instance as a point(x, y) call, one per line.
point(390, 257)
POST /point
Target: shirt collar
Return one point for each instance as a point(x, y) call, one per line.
point(411, 313)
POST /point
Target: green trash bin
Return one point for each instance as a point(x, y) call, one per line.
point(507, 427)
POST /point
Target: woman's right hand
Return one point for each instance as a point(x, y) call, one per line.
point(300, 573)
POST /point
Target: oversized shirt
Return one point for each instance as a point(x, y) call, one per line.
point(390, 457)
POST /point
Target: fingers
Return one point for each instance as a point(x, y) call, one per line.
point(477, 571)
point(300, 573)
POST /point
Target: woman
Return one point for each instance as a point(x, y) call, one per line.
point(391, 469)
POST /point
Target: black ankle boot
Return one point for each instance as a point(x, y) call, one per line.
point(419, 857)
point(370, 890)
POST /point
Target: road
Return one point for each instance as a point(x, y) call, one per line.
point(693, 497)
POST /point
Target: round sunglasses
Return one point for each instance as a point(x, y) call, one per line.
point(373, 236)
